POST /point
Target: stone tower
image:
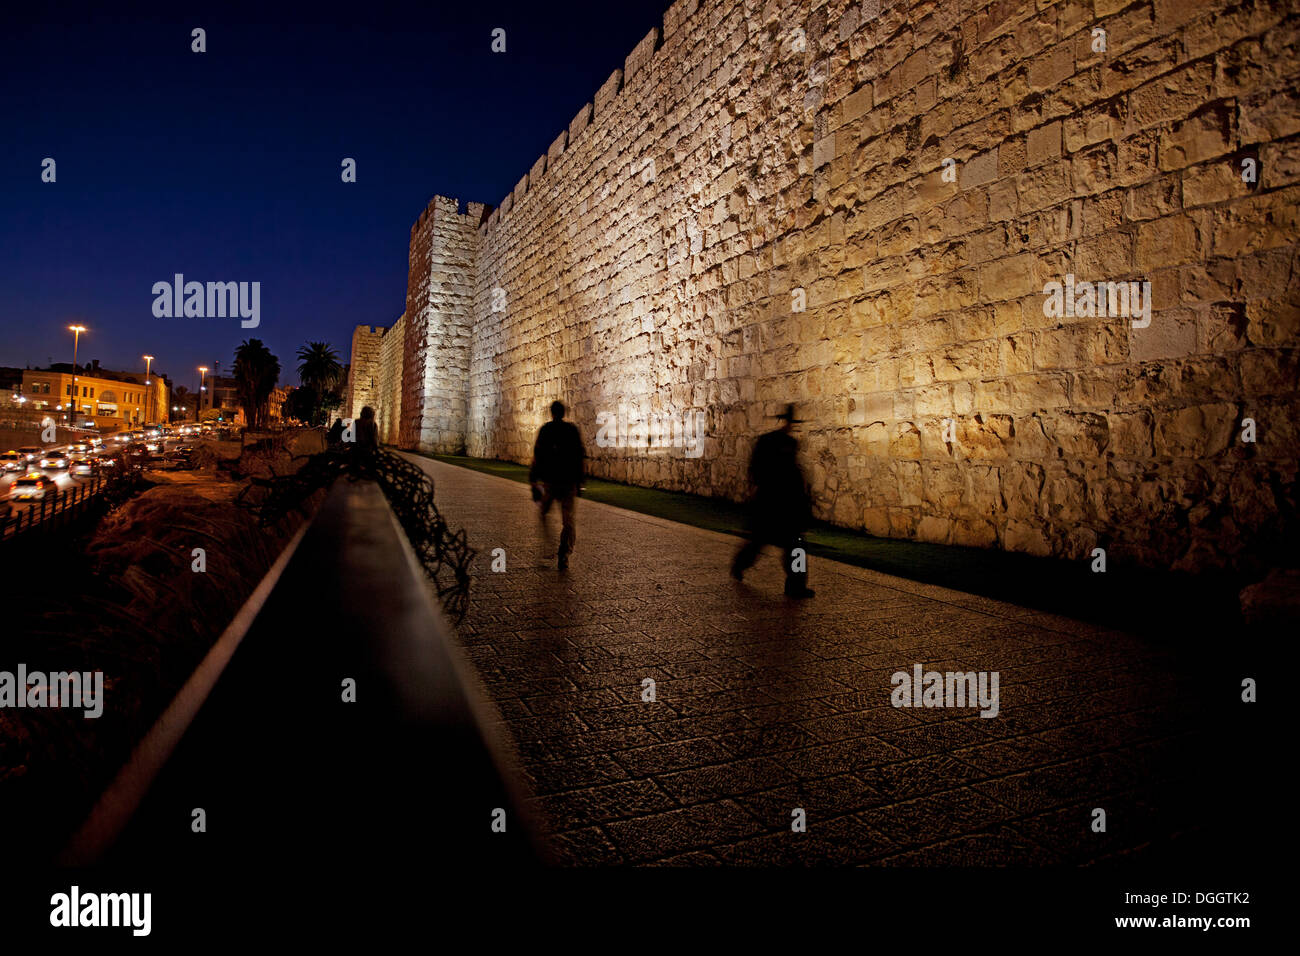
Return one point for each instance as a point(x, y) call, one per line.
point(363, 372)
point(439, 320)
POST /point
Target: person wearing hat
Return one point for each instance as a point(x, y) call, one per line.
point(780, 508)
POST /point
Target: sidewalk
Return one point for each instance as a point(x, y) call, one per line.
point(765, 705)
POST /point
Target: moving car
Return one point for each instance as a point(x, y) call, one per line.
point(32, 452)
point(82, 466)
point(13, 461)
point(54, 459)
point(106, 461)
point(79, 448)
point(32, 487)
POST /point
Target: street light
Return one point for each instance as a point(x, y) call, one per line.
point(76, 331)
point(198, 399)
point(148, 360)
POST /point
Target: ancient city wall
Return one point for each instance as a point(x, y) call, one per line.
point(857, 207)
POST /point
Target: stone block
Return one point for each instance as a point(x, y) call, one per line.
point(1172, 240)
point(1197, 432)
point(1044, 144)
point(1171, 335)
point(979, 170)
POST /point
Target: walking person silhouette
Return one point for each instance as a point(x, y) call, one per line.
point(557, 474)
point(780, 509)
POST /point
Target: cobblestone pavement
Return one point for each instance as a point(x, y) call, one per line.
point(764, 705)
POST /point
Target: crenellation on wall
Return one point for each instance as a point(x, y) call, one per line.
point(535, 172)
point(557, 147)
point(580, 122)
point(605, 96)
point(675, 16)
point(641, 54)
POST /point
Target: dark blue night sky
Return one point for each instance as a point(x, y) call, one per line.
point(225, 166)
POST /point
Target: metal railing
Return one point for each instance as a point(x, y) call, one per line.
point(58, 509)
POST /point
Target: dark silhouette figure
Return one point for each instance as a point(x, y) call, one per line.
point(779, 506)
point(367, 432)
point(557, 473)
point(334, 436)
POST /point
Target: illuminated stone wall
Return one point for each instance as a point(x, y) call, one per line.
point(858, 207)
point(388, 401)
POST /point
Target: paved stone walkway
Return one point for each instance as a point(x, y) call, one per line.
point(765, 705)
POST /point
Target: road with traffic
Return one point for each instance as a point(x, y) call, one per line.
point(63, 479)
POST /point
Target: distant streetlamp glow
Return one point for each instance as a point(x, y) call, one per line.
point(198, 399)
point(148, 360)
point(76, 331)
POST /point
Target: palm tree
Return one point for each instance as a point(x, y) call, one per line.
point(318, 366)
point(183, 397)
point(322, 374)
point(256, 372)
